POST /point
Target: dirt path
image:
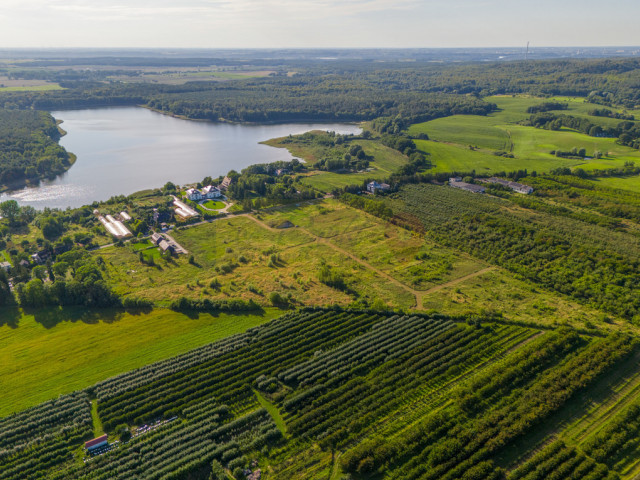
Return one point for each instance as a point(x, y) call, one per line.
point(457, 280)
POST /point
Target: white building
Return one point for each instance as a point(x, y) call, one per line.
point(211, 192)
point(194, 194)
point(373, 186)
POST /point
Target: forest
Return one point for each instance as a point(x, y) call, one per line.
point(29, 146)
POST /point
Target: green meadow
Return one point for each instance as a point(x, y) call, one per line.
point(468, 142)
point(50, 351)
point(626, 183)
point(34, 88)
point(385, 161)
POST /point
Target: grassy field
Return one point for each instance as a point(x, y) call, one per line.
point(625, 183)
point(325, 219)
point(33, 88)
point(499, 291)
point(414, 261)
point(242, 258)
point(452, 136)
point(49, 352)
point(384, 161)
point(465, 130)
point(214, 204)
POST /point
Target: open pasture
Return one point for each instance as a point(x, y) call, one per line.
point(48, 352)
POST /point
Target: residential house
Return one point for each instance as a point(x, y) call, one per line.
point(211, 192)
point(373, 186)
point(194, 194)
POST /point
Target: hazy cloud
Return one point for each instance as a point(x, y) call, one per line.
point(308, 23)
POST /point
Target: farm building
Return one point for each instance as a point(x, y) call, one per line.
point(166, 246)
point(515, 186)
point(96, 442)
point(194, 194)
point(114, 227)
point(211, 192)
point(125, 216)
point(156, 238)
point(373, 186)
point(183, 210)
point(456, 182)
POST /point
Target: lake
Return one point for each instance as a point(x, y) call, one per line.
point(126, 149)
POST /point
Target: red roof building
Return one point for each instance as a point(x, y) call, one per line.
point(96, 442)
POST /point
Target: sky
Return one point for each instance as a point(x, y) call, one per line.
point(317, 23)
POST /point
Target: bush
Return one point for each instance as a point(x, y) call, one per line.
point(277, 300)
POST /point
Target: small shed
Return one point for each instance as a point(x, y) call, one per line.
point(285, 224)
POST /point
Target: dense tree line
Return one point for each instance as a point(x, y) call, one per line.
point(78, 280)
point(29, 146)
point(259, 185)
point(605, 112)
point(547, 106)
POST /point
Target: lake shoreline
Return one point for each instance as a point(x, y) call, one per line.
point(121, 150)
point(253, 124)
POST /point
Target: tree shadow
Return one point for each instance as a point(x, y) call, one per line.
point(138, 310)
point(50, 317)
point(10, 316)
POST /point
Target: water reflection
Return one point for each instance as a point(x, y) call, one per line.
point(123, 150)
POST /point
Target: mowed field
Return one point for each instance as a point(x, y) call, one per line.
point(452, 137)
point(48, 352)
point(626, 183)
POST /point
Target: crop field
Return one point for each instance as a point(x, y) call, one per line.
point(75, 348)
point(451, 137)
point(23, 85)
point(377, 395)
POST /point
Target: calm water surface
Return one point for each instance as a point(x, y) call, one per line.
point(127, 149)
